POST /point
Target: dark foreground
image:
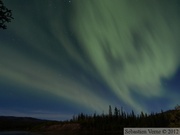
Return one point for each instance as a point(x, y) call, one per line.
point(55, 133)
point(110, 124)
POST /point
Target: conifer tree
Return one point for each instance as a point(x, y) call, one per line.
point(5, 15)
point(110, 111)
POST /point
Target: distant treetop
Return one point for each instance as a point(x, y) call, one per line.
point(5, 16)
point(177, 107)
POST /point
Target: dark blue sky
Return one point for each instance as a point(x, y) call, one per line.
point(63, 57)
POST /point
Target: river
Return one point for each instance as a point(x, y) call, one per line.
point(29, 133)
point(17, 133)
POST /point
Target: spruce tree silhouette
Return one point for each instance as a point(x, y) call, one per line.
point(5, 16)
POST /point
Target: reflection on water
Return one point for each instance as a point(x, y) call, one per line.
point(17, 133)
point(28, 133)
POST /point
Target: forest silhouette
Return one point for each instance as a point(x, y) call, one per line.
point(113, 122)
point(118, 119)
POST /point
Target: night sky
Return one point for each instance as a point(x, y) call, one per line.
point(59, 58)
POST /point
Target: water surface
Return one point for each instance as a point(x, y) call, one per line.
point(17, 133)
point(29, 133)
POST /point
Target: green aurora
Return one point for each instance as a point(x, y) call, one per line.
point(89, 54)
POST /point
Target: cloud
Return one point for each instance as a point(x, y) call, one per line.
point(132, 44)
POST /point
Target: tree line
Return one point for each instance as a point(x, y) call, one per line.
point(117, 119)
